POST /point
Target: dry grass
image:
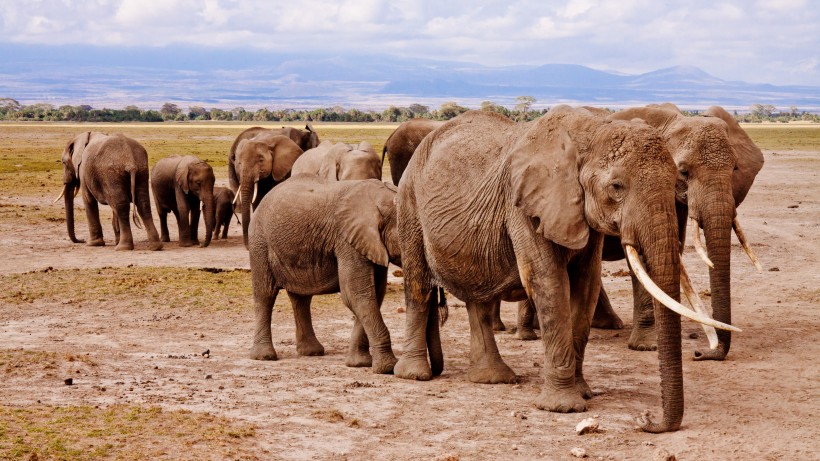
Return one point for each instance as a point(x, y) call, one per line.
point(785, 136)
point(120, 432)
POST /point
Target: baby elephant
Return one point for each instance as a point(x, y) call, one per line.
point(311, 236)
point(224, 210)
point(179, 184)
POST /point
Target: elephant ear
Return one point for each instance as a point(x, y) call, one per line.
point(332, 160)
point(181, 174)
point(361, 211)
point(749, 156)
point(544, 179)
point(284, 153)
point(77, 152)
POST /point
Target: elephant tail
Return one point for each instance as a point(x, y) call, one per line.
point(135, 217)
point(384, 151)
point(443, 309)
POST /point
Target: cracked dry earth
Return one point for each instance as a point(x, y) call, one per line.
point(141, 343)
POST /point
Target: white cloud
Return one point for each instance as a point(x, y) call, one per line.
point(772, 41)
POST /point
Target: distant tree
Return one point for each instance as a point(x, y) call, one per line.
point(449, 110)
point(418, 110)
point(198, 113)
point(9, 105)
point(391, 114)
point(523, 103)
point(793, 111)
point(170, 111)
point(762, 111)
point(131, 108)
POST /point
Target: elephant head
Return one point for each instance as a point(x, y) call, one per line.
point(366, 216)
point(716, 165)
point(342, 162)
point(72, 158)
point(261, 163)
point(196, 176)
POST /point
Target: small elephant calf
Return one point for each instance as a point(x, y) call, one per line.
point(311, 236)
point(225, 208)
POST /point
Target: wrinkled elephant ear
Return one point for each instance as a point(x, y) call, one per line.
point(77, 153)
point(749, 156)
point(359, 216)
point(284, 153)
point(331, 161)
point(181, 175)
point(544, 177)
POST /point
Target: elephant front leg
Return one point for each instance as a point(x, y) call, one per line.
point(527, 321)
point(486, 364)
point(306, 342)
point(644, 337)
point(605, 317)
point(183, 221)
point(585, 288)
point(195, 213)
point(358, 354)
point(115, 223)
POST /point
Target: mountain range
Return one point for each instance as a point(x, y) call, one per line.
point(148, 77)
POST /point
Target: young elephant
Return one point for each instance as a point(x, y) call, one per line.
point(179, 185)
point(340, 161)
point(112, 170)
point(311, 236)
point(224, 210)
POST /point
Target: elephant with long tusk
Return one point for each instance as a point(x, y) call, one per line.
point(491, 209)
point(716, 165)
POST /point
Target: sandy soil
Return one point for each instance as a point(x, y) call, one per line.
point(762, 403)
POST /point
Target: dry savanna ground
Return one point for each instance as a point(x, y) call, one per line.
point(130, 329)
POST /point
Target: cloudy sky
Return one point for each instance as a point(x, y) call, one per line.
point(758, 41)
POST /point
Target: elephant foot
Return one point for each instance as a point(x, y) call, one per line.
point(718, 353)
point(607, 322)
point(384, 364)
point(96, 242)
point(263, 352)
point(498, 325)
point(359, 359)
point(154, 246)
point(561, 400)
point(583, 388)
point(310, 347)
point(490, 369)
point(185, 243)
point(165, 238)
point(526, 334)
point(410, 368)
point(125, 246)
point(643, 339)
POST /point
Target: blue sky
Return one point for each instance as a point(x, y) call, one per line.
point(774, 41)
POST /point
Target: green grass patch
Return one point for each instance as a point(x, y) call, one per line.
point(785, 137)
point(120, 432)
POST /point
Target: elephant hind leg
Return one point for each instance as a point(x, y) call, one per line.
point(122, 230)
point(605, 317)
point(498, 324)
point(264, 296)
point(358, 355)
point(486, 364)
point(306, 342)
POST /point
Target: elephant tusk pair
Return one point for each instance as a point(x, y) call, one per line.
point(745, 244)
point(698, 244)
point(694, 300)
point(653, 289)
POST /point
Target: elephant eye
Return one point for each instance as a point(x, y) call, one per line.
point(684, 172)
point(616, 190)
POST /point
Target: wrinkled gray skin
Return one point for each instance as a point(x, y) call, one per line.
point(340, 162)
point(261, 162)
point(312, 236)
point(112, 170)
point(305, 139)
point(225, 207)
point(491, 209)
point(717, 164)
point(180, 184)
point(401, 144)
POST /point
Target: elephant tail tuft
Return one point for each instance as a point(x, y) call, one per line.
point(135, 217)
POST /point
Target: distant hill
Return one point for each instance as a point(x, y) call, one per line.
point(147, 77)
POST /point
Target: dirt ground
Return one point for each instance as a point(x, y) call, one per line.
point(134, 349)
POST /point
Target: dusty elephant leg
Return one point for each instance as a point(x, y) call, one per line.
point(358, 354)
point(605, 317)
point(143, 206)
point(163, 225)
point(92, 214)
point(195, 213)
point(525, 330)
point(264, 296)
point(306, 342)
point(125, 242)
point(498, 324)
point(585, 288)
point(644, 337)
point(358, 279)
point(115, 223)
point(183, 221)
point(486, 364)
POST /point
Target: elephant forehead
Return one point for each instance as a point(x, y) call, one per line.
point(705, 143)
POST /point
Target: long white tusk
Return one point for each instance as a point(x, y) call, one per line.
point(745, 244)
point(698, 244)
point(235, 199)
point(694, 300)
point(665, 299)
point(255, 191)
point(62, 193)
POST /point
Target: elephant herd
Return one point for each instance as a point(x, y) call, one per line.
point(486, 208)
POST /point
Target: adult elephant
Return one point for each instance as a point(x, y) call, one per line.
point(492, 209)
point(261, 163)
point(112, 170)
point(180, 184)
point(717, 163)
point(401, 144)
point(305, 139)
point(313, 236)
point(340, 162)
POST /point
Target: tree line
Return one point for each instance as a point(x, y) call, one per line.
point(12, 110)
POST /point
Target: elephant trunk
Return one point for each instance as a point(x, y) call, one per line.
point(209, 212)
point(716, 218)
point(245, 198)
point(659, 244)
point(70, 188)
